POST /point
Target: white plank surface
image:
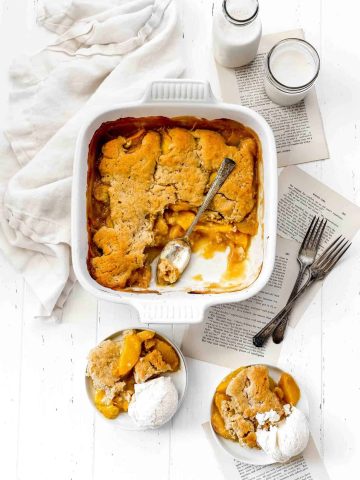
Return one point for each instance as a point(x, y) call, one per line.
point(47, 427)
point(55, 422)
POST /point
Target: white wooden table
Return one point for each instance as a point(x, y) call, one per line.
point(47, 427)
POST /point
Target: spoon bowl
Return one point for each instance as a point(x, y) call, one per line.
point(173, 260)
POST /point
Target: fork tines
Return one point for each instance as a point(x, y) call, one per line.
point(314, 233)
point(332, 254)
point(309, 231)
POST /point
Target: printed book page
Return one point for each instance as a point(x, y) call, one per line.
point(307, 466)
point(225, 335)
point(301, 197)
point(298, 129)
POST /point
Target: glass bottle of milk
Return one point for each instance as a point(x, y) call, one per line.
point(236, 32)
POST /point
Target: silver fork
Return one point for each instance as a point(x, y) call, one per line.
point(306, 257)
point(319, 269)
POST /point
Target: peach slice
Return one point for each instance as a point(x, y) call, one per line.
point(218, 424)
point(145, 335)
point(290, 388)
point(219, 398)
point(149, 344)
point(161, 227)
point(109, 411)
point(168, 353)
point(240, 239)
point(224, 383)
point(184, 219)
point(176, 232)
point(121, 404)
point(211, 227)
point(130, 354)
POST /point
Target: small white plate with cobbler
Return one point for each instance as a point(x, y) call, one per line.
point(136, 379)
point(259, 415)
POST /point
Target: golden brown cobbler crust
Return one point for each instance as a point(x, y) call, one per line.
point(139, 168)
point(249, 394)
point(150, 365)
point(102, 364)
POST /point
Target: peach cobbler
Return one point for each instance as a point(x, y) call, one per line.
point(249, 399)
point(117, 366)
point(146, 179)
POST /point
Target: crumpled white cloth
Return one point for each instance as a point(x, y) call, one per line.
point(104, 52)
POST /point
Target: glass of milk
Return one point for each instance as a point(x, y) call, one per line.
point(291, 68)
point(236, 32)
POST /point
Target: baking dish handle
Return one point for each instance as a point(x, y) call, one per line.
point(169, 312)
point(179, 90)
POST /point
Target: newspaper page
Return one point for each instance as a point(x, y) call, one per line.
point(307, 466)
point(225, 336)
point(298, 129)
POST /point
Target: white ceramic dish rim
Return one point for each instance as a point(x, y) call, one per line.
point(127, 423)
point(186, 96)
point(257, 457)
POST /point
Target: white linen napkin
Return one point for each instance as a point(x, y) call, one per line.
point(104, 52)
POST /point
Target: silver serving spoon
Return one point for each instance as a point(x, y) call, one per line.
point(175, 256)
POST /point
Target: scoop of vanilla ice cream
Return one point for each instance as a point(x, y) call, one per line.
point(267, 439)
point(293, 433)
point(286, 439)
point(154, 402)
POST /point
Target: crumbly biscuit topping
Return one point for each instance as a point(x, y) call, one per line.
point(248, 395)
point(102, 364)
point(144, 178)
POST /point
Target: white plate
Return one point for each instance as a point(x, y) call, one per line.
point(124, 421)
point(254, 456)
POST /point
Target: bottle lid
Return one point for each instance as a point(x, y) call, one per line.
point(240, 12)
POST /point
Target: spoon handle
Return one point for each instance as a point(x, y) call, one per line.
point(224, 171)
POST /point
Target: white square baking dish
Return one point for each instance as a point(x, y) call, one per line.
point(171, 98)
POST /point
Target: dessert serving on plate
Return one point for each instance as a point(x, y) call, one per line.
point(147, 178)
point(133, 373)
point(250, 408)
